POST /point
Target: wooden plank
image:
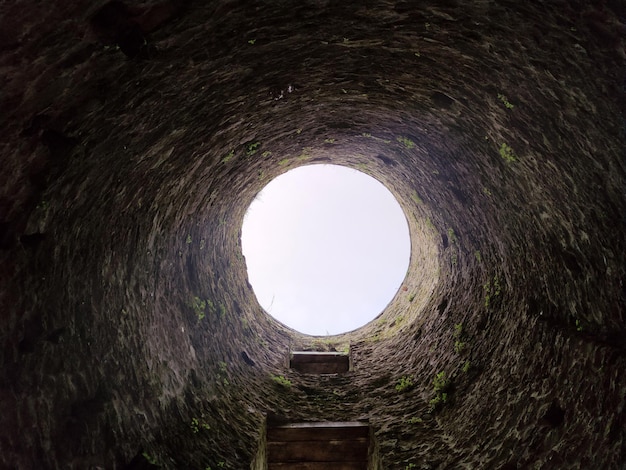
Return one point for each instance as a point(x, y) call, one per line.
point(318, 451)
point(318, 466)
point(321, 368)
point(313, 362)
point(314, 356)
point(325, 424)
point(318, 431)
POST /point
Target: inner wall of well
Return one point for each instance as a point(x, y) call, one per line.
point(129, 324)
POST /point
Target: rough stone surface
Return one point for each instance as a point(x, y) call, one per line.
point(128, 325)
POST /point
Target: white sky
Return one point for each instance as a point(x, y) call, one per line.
point(327, 247)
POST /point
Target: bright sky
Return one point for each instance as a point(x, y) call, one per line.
point(327, 247)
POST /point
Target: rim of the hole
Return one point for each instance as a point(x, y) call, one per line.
point(390, 296)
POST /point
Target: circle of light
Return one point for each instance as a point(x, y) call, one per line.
point(327, 248)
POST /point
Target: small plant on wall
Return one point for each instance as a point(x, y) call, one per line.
point(405, 383)
point(505, 101)
point(492, 290)
point(197, 425)
point(199, 307)
point(506, 152)
point(460, 344)
point(282, 381)
point(408, 143)
point(151, 460)
point(441, 385)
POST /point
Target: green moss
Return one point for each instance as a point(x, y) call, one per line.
point(197, 425)
point(408, 143)
point(492, 290)
point(507, 153)
point(451, 236)
point(416, 198)
point(229, 157)
point(199, 307)
point(405, 383)
point(151, 460)
point(282, 381)
point(505, 101)
point(252, 148)
point(306, 153)
point(438, 400)
point(440, 387)
point(459, 344)
point(440, 382)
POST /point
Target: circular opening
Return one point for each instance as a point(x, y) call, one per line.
point(326, 248)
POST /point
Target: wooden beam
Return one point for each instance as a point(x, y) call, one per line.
point(316, 356)
point(312, 362)
point(353, 450)
point(318, 431)
point(332, 445)
point(317, 466)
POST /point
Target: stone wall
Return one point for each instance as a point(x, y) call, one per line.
point(129, 327)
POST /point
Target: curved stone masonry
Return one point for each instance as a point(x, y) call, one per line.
point(129, 329)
